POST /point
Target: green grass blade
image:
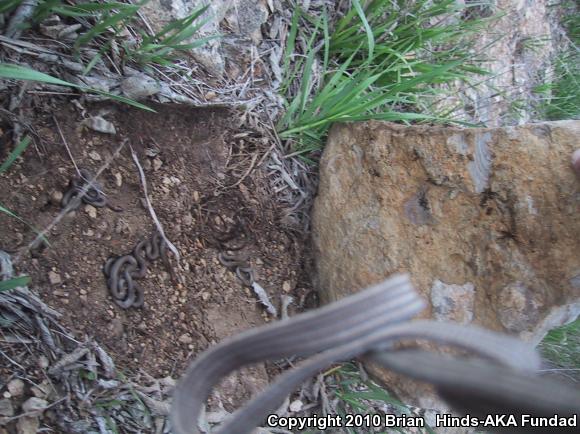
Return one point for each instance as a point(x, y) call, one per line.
point(290, 46)
point(9, 5)
point(367, 27)
point(326, 36)
point(19, 149)
point(17, 72)
point(7, 285)
point(126, 12)
point(182, 23)
point(20, 219)
point(85, 10)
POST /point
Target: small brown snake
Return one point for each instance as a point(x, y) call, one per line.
point(94, 195)
point(120, 271)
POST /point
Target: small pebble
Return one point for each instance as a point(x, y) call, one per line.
point(118, 179)
point(187, 219)
point(56, 197)
point(91, 211)
point(54, 278)
point(42, 390)
point(296, 406)
point(286, 286)
point(185, 339)
point(43, 362)
point(16, 387)
point(34, 405)
point(6, 408)
point(28, 425)
point(157, 163)
point(95, 156)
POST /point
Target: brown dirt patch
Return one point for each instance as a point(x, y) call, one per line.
point(199, 156)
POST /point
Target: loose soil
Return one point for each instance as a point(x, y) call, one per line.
point(195, 162)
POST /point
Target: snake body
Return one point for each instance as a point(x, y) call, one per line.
point(93, 195)
point(238, 265)
point(121, 271)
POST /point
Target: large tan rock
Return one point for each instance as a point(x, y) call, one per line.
point(486, 221)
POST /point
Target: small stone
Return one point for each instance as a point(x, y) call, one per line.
point(83, 292)
point(6, 408)
point(118, 179)
point(95, 156)
point(91, 211)
point(18, 238)
point(16, 387)
point(35, 406)
point(122, 227)
point(196, 196)
point(210, 95)
point(117, 327)
point(54, 278)
point(286, 287)
point(28, 425)
point(187, 219)
point(157, 163)
point(100, 124)
point(139, 86)
point(89, 233)
point(185, 339)
point(43, 362)
point(56, 197)
point(43, 390)
point(295, 406)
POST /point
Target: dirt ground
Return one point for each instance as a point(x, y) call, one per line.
point(197, 169)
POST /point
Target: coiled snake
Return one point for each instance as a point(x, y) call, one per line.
point(121, 271)
point(93, 195)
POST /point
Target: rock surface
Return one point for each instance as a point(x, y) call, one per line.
point(520, 60)
point(484, 220)
point(243, 17)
